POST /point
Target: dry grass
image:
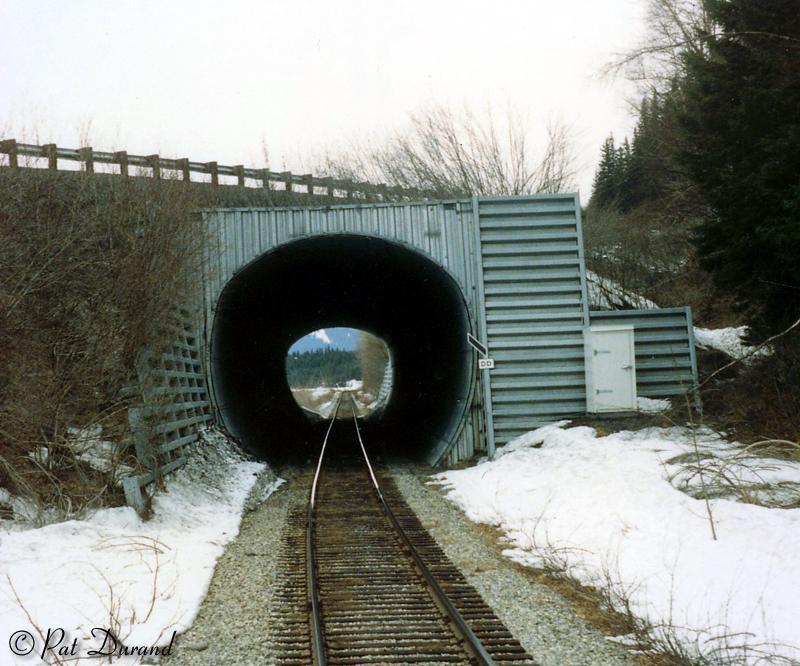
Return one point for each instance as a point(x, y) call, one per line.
point(593, 605)
point(756, 401)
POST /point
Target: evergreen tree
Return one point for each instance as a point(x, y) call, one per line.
point(625, 178)
point(604, 190)
point(322, 367)
point(741, 120)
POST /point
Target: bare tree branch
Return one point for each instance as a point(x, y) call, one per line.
point(445, 153)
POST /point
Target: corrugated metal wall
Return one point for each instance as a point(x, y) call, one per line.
point(443, 231)
point(535, 309)
point(664, 343)
point(521, 269)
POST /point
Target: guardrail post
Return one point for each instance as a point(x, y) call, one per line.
point(308, 181)
point(329, 187)
point(239, 171)
point(87, 157)
point(9, 147)
point(133, 493)
point(183, 165)
point(154, 161)
point(265, 178)
point(50, 151)
point(213, 169)
point(287, 180)
point(121, 158)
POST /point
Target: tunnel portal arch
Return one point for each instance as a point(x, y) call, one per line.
point(510, 269)
point(381, 286)
point(518, 263)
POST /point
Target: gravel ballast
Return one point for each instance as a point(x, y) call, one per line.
point(234, 622)
point(541, 620)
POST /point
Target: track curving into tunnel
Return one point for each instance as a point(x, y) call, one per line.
point(347, 280)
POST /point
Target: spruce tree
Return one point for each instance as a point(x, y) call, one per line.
point(604, 190)
point(741, 122)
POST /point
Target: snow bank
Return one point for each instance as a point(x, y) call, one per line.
point(113, 570)
point(609, 508)
point(652, 405)
point(727, 340)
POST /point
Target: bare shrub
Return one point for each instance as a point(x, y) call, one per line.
point(649, 254)
point(442, 153)
point(90, 268)
point(759, 400)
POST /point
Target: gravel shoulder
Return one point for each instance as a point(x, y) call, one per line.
point(234, 622)
point(545, 623)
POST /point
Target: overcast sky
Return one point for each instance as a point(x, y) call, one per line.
point(217, 80)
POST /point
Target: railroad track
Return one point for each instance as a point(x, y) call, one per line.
point(374, 587)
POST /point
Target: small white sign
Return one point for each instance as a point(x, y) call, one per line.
point(486, 363)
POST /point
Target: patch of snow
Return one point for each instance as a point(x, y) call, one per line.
point(608, 509)
point(652, 405)
point(102, 455)
point(727, 340)
point(610, 295)
point(149, 577)
point(325, 410)
point(353, 384)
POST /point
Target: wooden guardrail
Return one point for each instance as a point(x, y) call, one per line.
point(182, 168)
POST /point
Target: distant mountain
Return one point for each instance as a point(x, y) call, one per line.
point(333, 338)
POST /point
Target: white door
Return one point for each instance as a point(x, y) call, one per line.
point(612, 372)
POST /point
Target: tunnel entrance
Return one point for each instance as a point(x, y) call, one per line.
point(343, 280)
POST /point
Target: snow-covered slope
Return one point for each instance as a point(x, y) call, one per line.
point(618, 511)
point(143, 580)
point(727, 340)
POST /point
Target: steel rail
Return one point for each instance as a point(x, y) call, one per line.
point(473, 643)
point(312, 584)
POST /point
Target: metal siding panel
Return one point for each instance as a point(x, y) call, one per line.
point(664, 346)
point(241, 235)
point(532, 261)
point(532, 309)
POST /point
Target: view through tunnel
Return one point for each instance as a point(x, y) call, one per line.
point(343, 280)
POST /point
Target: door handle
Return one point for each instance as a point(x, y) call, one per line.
point(627, 367)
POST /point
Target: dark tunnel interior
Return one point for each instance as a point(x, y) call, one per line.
point(363, 282)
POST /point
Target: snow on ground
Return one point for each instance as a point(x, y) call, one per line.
point(610, 511)
point(143, 580)
point(727, 340)
point(652, 405)
point(608, 294)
